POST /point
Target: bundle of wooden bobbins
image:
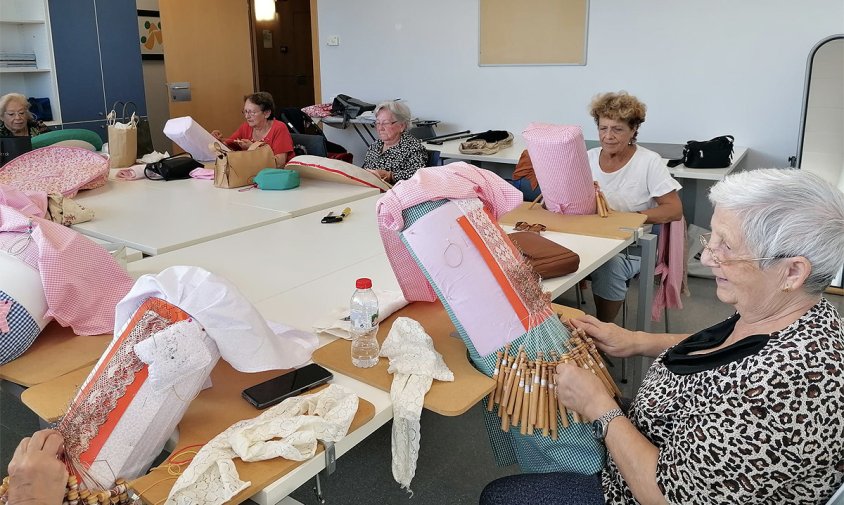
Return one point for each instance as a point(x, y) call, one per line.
point(77, 495)
point(526, 390)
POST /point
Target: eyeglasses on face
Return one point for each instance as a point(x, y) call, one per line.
point(12, 114)
point(249, 113)
point(384, 124)
point(718, 255)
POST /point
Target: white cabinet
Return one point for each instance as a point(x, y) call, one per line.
point(25, 28)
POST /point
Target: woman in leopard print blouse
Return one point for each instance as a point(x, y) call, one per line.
point(397, 155)
point(750, 410)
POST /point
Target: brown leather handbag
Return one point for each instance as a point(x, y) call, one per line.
point(235, 169)
point(548, 258)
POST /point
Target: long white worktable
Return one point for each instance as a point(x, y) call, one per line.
point(510, 156)
point(157, 216)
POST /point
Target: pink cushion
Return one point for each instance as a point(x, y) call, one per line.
point(52, 169)
point(558, 153)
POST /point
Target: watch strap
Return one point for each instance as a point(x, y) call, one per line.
point(608, 416)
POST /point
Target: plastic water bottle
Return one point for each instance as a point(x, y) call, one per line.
point(363, 315)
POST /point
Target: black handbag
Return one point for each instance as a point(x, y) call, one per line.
point(175, 167)
point(715, 153)
point(346, 106)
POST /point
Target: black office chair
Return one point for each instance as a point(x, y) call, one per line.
point(423, 133)
point(309, 144)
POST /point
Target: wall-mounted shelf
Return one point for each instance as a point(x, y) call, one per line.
point(25, 28)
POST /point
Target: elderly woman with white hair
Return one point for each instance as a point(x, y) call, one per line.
point(397, 155)
point(748, 410)
point(17, 120)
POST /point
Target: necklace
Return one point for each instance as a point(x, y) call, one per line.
point(259, 134)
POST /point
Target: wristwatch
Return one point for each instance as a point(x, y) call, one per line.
point(600, 425)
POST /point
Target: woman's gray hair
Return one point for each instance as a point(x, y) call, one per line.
point(15, 97)
point(400, 111)
point(786, 213)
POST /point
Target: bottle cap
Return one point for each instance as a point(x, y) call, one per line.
point(363, 283)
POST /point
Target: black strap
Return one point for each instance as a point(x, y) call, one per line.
point(674, 163)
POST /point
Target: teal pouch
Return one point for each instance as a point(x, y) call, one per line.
point(277, 178)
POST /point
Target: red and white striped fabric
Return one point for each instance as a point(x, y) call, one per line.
point(558, 154)
point(82, 282)
point(452, 181)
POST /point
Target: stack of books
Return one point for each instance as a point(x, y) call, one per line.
point(17, 60)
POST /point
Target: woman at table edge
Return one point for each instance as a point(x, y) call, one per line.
point(633, 179)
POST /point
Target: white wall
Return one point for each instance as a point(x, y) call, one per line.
point(703, 67)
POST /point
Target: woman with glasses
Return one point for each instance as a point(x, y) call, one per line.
point(397, 155)
point(261, 125)
point(748, 410)
point(633, 179)
point(17, 120)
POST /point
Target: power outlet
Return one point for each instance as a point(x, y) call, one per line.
point(334, 40)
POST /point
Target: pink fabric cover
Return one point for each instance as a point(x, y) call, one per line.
point(52, 169)
point(558, 154)
point(82, 282)
point(455, 180)
point(202, 173)
point(462, 276)
point(670, 266)
point(31, 203)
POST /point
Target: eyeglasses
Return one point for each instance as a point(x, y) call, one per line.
point(525, 226)
point(705, 239)
point(21, 113)
point(251, 112)
point(384, 123)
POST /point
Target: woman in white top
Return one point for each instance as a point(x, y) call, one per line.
point(633, 179)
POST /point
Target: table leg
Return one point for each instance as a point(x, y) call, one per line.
point(646, 281)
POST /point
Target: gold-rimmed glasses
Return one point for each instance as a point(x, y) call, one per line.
point(718, 255)
point(384, 123)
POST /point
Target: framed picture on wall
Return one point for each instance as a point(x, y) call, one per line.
point(149, 35)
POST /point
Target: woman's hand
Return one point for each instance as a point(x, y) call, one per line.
point(610, 338)
point(582, 391)
point(244, 144)
point(384, 175)
point(217, 134)
point(36, 475)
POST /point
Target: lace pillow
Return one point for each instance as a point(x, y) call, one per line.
point(173, 353)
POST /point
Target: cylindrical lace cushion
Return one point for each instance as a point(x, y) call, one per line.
point(558, 153)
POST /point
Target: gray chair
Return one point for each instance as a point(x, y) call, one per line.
point(311, 144)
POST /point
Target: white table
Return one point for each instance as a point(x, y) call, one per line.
point(145, 216)
point(277, 257)
point(156, 216)
point(296, 271)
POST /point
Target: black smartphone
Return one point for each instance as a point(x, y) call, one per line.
point(273, 391)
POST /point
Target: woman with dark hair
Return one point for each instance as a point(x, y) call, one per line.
point(261, 125)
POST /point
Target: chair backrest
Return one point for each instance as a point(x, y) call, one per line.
point(312, 144)
point(422, 132)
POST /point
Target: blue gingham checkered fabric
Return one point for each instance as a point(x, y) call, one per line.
point(575, 450)
point(22, 331)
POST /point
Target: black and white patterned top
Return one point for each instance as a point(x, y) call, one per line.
point(403, 159)
point(760, 421)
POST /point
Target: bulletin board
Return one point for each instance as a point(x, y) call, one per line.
point(533, 32)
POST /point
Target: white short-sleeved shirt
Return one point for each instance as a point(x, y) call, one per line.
point(634, 186)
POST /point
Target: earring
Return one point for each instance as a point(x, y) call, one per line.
point(787, 288)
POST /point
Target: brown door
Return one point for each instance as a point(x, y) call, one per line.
point(207, 43)
point(284, 50)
